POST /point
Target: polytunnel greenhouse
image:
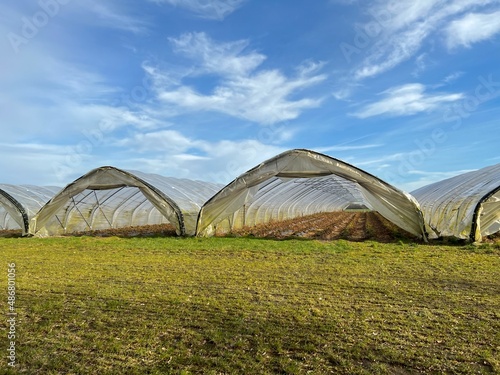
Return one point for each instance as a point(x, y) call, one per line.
point(19, 203)
point(466, 206)
point(303, 182)
point(109, 197)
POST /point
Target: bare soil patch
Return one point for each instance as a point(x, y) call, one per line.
point(10, 233)
point(352, 226)
point(157, 230)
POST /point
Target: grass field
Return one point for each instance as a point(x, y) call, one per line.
point(251, 306)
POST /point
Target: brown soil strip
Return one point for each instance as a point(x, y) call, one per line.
point(353, 226)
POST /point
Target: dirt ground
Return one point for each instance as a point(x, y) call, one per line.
point(157, 230)
point(352, 226)
point(11, 233)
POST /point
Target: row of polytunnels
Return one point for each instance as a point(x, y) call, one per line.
point(291, 184)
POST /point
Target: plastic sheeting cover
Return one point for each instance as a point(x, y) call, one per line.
point(19, 203)
point(283, 198)
point(108, 197)
point(466, 206)
point(266, 192)
point(489, 222)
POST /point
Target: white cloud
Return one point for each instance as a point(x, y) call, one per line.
point(380, 160)
point(342, 94)
point(209, 9)
point(170, 141)
point(20, 162)
point(188, 157)
point(63, 98)
point(243, 91)
point(345, 89)
point(407, 100)
point(219, 161)
point(166, 152)
point(228, 159)
point(110, 14)
point(53, 108)
point(310, 67)
point(59, 120)
point(472, 28)
point(114, 17)
point(401, 27)
point(453, 77)
point(420, 65)
point(399, 48)
point(33, 148)
point(217, 58)
point(344, 2)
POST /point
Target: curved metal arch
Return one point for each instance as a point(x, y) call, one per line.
point(15, 210)
point(475, 233)
point(104, 178)
point(392, 203)
point(118, 212)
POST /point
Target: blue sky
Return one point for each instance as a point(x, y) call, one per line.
point(407, 90)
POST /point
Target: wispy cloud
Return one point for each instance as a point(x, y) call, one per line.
point(381, 160)
point(218, 161)
point(168, 141)
point(453, 77)
point(109, 14)
point(407, 100)
point(62, 97)
point(345, 89)
point(406, 24)
point(116, 18)
point(227, 59)
point(243, 91)
point(209, 9)
point(392, 52)
point(344, 2)
point(472, 28)
point(33, 148)
point(420, 64)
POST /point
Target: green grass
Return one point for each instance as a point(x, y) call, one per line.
point(248, 306)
